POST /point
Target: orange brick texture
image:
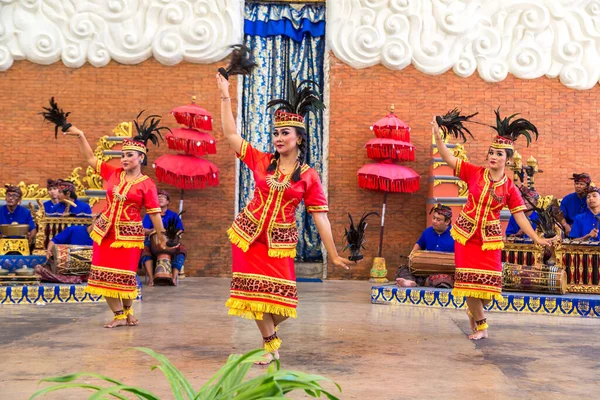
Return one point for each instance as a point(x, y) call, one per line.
point(99, 98)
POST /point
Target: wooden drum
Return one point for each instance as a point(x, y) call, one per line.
point(72, 259)
point(425, 263)
point(534, 278)
point(163, 273)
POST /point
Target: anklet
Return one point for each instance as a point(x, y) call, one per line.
point(120, 315)
point(272, 343)
point(482, 324)
point(128, 311)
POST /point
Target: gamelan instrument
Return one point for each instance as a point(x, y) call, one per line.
point(14, 230)
point(163, 273)
point(71, 259)
point(581, 260)
point(534, 278)
point(424, 263)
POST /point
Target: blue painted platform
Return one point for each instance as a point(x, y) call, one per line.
point(49, 293)
point(15, 262)
point(571, 305)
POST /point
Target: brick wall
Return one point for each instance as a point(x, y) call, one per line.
point(99, 98)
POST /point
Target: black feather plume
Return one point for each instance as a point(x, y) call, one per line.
point(148, 130)
point(56, 116)
point(171, 230)
point(452, 124)
point(547, 218)
point(513, 129)
point(355, 236)
point(241, 62)
point(301, 98)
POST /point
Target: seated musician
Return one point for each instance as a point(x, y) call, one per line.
point(52, 206)
point(73, 235)
point(13, 213)
point(67, 194)
point(531, 198)
point(575, 203)
point(147, 258)
point(585, 226)
point(435, 238)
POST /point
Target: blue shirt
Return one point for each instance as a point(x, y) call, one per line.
point(76, 234)
point(52, 208)
point(432, 241)
point(20, 216)
point(147, 222)
point(572, 205)
point(583, 225)
point(512, 227)
point(81, 207)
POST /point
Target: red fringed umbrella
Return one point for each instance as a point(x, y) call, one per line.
point(391, 127)
point(193, 116)
point(192, 141)
point(390, 149)
point(392, 144)
point(186, 171)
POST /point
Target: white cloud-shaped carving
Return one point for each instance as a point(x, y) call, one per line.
point(127, 31)
point(527, 38)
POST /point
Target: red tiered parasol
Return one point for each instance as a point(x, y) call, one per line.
point(193, 116)
point(192, 141)
point(186, 171)
point(391, 127)
point(392, 144)
point(379, 148)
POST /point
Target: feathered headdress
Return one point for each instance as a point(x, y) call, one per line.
point(241, 62)
point(547, 218)
point(452, 124)
point(148, 130)
point(56, 116)
point(355, 236)
point(509, 131)
point(301, 100)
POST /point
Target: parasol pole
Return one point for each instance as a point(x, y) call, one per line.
point(181, 201)
point(382, 223)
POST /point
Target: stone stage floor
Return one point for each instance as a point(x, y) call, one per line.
point(373, 351)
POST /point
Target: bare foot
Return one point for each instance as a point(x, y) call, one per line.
point(479, 335)
point(115, 323)
point(151, 282)
point(269, 358)
point(175, 277)
point(405, 282)
point(472, 323)
point(132, 321)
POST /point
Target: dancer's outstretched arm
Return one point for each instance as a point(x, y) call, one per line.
point(445, 153)
point(324, 228)
point(84, 146)
point(229, 128)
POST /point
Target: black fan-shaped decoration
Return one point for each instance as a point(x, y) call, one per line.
point(513, 129)
point(301, 98)
point(56, 116)
point(355, 236)
point(148, 130)
point(171, 231)
point(547, 218)
point(241, 62)
point(452, 124)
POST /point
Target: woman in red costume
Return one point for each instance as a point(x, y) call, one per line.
point(118, 233)
point(264, 234)
point(477, 232)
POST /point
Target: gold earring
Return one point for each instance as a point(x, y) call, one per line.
point(299, 142)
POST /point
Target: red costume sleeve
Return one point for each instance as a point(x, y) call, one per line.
point(150, 197)
point(252, 157)
point(514, 201)
point(465, 171)
point(104, 169)
point(314, 198)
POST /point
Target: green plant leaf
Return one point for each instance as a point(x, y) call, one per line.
point(53, 388)
point(72, 377)
point(114, 391)
point(174, 376)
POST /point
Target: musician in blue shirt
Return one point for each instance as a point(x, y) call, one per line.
point(67, 193)
point(13, 213)
point(167, 215)
point(73, 235)
point(531, 198)
point(585, 226)
point(435, 238)
point(52, 206)
point(575, 203)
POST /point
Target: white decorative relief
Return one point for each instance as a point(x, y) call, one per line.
point(528, 38)
point(126, 31)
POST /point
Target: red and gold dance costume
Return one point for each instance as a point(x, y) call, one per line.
point(264, 238)
point(477, 231)
point(118, 233)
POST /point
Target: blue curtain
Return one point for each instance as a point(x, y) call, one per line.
point(283, 40)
